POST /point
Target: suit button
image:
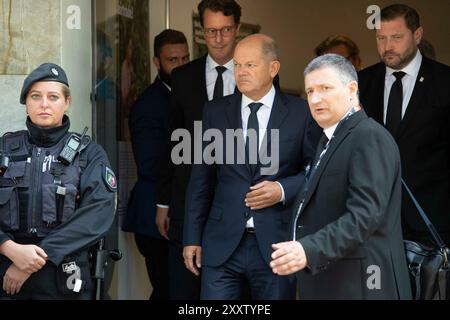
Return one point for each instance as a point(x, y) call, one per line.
point(247, 214)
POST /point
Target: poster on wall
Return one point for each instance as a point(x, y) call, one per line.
point(134, 57)
point(26, 39)
point(133, 78)
point(106, 86)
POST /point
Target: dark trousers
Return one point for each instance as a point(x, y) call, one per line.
point(45, 285)
point(184, 285)
point(246, 266)
point(155, 252)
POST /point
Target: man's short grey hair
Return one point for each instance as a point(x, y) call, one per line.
point(270, 50)
point(344, 68)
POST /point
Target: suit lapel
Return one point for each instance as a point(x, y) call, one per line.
point(339, 136)
point(379, 94)
point(233, 111)
point(277, 116)
point(234, 117)
point(202, 76)
point(162, 87)
point(417, 97)
point(279, 112)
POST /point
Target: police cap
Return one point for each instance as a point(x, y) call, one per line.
point(45, 72)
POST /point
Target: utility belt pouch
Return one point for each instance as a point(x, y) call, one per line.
point(9, 209)
point(59, 198)
point(58, 203)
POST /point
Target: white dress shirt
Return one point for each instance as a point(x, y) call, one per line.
point(408, 82)
point(263, 116)
point(229, 82)
point(329, 132)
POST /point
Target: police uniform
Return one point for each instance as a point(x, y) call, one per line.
point(63, 208)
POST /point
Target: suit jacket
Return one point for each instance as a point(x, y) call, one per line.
point(423, 139)
point(216, 214)
point(350, 218)
point(189, 95)
point(187, 100)
point(148, 125)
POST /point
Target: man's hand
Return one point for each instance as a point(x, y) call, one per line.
point(14, 279)
point(189, 254)
point(28, 258)
point(263, 195)
point(288, 258)
point(162, 221)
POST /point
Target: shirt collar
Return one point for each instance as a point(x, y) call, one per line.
point(211, 64)
point(165, 84)
point(412, 69)
point(329, 132)
point(267, 100)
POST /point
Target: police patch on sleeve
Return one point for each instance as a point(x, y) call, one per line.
point(110, 179)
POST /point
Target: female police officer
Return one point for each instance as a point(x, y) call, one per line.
point(57, 197)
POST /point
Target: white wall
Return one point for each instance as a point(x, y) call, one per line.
point(76, 57)
point(157, 12)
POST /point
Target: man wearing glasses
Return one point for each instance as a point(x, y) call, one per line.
point(204, 79)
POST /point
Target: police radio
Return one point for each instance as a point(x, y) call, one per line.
point(72, 147)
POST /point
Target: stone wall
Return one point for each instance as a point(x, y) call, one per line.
point(30, 34)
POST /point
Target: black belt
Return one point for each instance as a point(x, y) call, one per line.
point(250, 230)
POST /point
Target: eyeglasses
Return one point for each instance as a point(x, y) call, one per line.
point(224, 32)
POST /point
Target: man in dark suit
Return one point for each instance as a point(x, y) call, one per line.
point(194, 84)
point(346, 224)
point(235, 210)
point(409, 94)
point(148, 126)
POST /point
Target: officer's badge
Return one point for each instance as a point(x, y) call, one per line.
point(110, 179)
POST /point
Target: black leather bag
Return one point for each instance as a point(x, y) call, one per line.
point(429, 269)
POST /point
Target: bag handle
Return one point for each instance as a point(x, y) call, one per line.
point(437, 238)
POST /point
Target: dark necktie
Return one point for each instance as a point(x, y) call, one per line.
point(320, 151)
point(253, 124)
point(218, 88)
point(320, 148)
point(394, 110)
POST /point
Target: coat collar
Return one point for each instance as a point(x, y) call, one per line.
point(46, 138)
point(277, 116)
point(339, 136)
point(415, 103)
point(417, 98)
